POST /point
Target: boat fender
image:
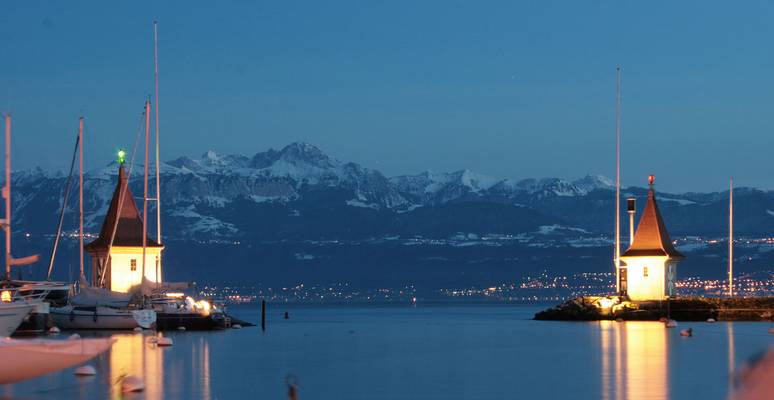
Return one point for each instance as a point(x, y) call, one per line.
point(54, 331)
point(85, 370)
point(132, 383)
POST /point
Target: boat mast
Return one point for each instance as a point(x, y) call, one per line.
point(7, 196)
point(145, 189)
point(618, 181)
point(65, 198)
point(731, 238)
point(80, 194)
point(158, 174)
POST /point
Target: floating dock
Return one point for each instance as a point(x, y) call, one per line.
point(680, 309)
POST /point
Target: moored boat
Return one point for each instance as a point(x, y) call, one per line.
point(175, 312)
point(47, 294)
point(72, 317)
point(12, 314)
point(30, 358)
point(39, 294)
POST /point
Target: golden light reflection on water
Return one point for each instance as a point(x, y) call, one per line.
point(132, 354)
point(634, 360)
point(731, 355)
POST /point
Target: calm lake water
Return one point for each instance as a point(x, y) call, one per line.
point(428, 351)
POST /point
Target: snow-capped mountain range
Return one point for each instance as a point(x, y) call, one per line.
point(299, 188)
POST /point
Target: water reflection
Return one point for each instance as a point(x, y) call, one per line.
point(731, 356)
point(635, 362)
point(135, 354)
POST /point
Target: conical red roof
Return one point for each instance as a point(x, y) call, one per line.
point(652, 238)
point(129, 230)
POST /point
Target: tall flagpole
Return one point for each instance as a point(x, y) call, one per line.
point(158, 173)
point(80, 193)
point(618, 181)
point(731, 238)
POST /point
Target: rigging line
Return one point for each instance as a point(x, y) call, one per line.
point(122, 194)
point(66, 195)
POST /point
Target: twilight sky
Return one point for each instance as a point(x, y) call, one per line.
point(508, 89)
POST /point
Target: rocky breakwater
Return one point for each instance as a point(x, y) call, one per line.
point(680, 309)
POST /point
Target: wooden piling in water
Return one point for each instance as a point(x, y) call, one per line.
point(263, 315)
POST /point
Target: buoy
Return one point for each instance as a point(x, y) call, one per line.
point(287, 315)
point(137, 329)
point(687, 332)
point(164, 341)
point(710, 320)
point(671, 324)
point(74, 336)
point(663, 319)
point(54, 330)
point(181, 328)
point(236, 326)
point(85, 370)
point(132, 383)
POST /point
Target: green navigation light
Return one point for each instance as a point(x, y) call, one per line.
point(121, 156)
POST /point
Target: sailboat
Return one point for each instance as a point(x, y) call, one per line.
point(29, 292)
point(94, 307)
point(174, 309)
point(127, 262)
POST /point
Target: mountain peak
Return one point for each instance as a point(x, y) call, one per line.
point(591, 182)
point(210, 155)
point(305, 153)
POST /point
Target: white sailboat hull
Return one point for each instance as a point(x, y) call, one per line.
point(12, 315)
point(88, 318)
point(26, 359)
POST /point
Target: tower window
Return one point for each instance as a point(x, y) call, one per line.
point(133, 264)
point(645, 272)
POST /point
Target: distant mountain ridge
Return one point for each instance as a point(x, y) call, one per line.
point(299, 192)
